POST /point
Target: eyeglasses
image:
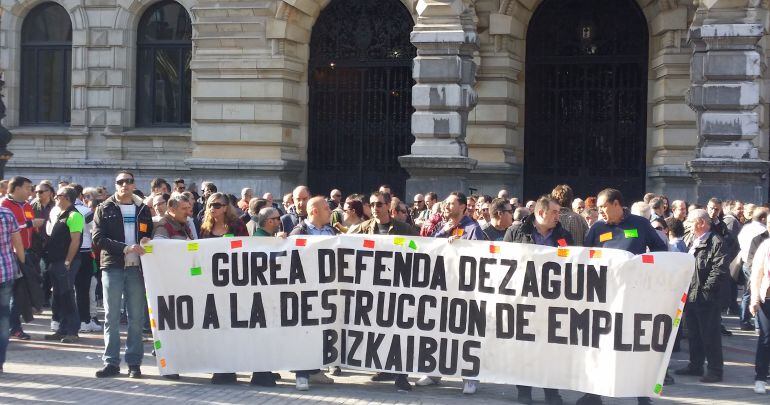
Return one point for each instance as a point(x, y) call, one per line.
point(216, 205)
point(60, 195)
point(123, 182)
point(377, 204)
point(41, 191)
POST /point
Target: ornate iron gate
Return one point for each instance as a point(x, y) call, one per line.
point(586, 94)
point(360, 96)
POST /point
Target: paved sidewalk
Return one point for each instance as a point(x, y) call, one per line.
point(39, 372)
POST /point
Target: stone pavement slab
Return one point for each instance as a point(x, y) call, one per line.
point(40, 372)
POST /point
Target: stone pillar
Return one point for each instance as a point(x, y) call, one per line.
point(445, 72)
point(725, 71)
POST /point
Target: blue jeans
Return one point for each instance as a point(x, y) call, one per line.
point(6, 290)
point(762, 362)
point(15, 322)
point(118, 283)
point(63, 281)
point(745, 315)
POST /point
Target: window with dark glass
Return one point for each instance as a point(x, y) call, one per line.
point(164, 50)
point(46, 66)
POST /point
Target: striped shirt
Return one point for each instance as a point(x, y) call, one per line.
point(8, 226)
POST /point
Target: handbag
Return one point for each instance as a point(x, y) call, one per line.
point(736, 270)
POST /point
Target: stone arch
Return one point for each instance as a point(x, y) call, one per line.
point(127, 19)
point(294, 19)
point(669, 121)
point(10, 60)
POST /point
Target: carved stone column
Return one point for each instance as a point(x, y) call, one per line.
point(725, 71)
point(445, 37)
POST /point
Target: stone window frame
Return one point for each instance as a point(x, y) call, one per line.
point(159, 45)
point(129, 15)
point(11, 23)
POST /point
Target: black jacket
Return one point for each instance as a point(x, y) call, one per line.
point(754, 246)
point(711, 266)
point(108, 230)
point(27, 290)
point(522, 233)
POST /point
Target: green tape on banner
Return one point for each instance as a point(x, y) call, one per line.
point(631, 233)
point(228, 235)
point(658, 389)
point(413, 244)
point(157, 344)
point(196, 271)
point(676, 322)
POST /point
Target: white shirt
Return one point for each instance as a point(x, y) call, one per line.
point(759, 269)
point(83, 210)
point(747, 233)
point(129, 231)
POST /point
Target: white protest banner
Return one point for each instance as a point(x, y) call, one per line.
point(593, 320)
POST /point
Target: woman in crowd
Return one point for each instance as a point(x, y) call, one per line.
point(352, 215)
point(221, 220)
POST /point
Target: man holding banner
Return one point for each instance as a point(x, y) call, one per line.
point(541, 228)
point(269, 223)
point(619, 229)
point(383, 224)
point(120, 223)
point(456, 225)
point(317, 223)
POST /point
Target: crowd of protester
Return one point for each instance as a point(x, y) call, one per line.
point(68, 247)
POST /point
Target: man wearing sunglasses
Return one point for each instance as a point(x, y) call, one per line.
point(382, 223)
point(64, 263)
point(121, 223)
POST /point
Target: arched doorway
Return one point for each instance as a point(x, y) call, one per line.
point(586, 95)
point(360, 101)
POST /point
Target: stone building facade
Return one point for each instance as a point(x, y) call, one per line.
point(700, 128)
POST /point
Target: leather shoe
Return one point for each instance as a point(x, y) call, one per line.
point(710, 378)
point(402, 383)
point(589, 399)
point(689, 371)
point(108, 371)
point(383, 376)
point(262, 379)
point(224, 378)
point(134, 372)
